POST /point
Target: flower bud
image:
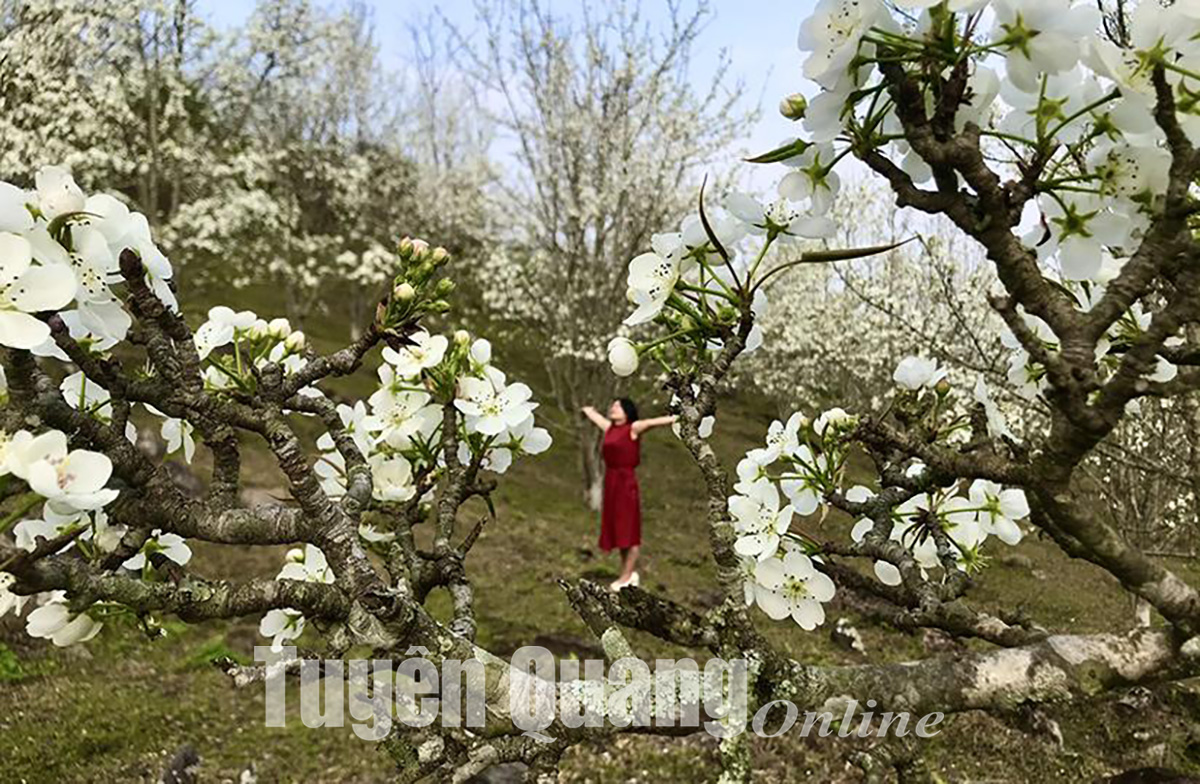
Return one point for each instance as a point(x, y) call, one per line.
point(259, 329)
point(836, 418)
point(481, 352)
point(794, 106)
point(623, 356)
point(279, 328)
point(443, 287)
point(294, 342)
point(942, 387)
point(440, 256)
point(405, 248)
point(439, 306)
point(462, 337)
point(421, 271)
point(404, 292)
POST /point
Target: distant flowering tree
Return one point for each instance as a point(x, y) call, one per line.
point(268, 154)
point(442, 130)
point(833, 331)
point(111, 90)
point(311, 186)
point(610, 134)
point(1060, 181)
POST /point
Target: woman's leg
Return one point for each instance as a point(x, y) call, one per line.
point(629, 556)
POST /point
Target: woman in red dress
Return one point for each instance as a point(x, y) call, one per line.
point(621, 518)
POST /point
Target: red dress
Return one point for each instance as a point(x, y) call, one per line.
point(621, 518)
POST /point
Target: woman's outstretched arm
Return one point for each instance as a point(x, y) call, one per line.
point(642, 425)
point(597, 418)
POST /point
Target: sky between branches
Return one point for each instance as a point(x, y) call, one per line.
point(757, 34)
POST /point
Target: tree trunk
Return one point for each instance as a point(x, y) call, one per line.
point(592, 466)
point(1191, 405)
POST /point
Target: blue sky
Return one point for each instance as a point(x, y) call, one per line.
point(758, 34)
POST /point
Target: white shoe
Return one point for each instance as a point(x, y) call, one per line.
point(617, 585)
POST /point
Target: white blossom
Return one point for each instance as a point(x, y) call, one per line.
point(55, 621)
point(68, 479)
point(622, 356)
point(170, 545)
point(1042, 36)
point(426, 351)
point(1001, 509)
point(803, 484)
point(832, 33)
point(281, 626)
point(791, 586)
point(759, 521)
point(915, 373)
point(393, 478)
point(491, 411)
point(652, 279)
point(399, 417)
point(25, 289)
point(10, 601)
point(57, 193)
point(307, 565)
point(178, 435)
point(997, 425)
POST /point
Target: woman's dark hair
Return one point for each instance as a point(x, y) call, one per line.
point(629, 407)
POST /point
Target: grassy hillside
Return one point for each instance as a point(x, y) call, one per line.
point(117, 708)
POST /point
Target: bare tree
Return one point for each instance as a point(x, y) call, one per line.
point(609, 137)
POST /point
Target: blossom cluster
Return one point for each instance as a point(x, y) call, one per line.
point(70, 487)
point(60, 248)
point(805, 463)
point(60, 254)
point(1043, 90)
point(967, 516)
point(306, 564)
point(693, 280)
point(399, 429)
point(1027, 375)
point(1043, 81)
point(804, 460)
point(250, 343)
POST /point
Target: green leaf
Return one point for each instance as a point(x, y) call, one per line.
point(828, 256)
point(1062, 288)
point(23, 506)
point(789, 150)
point(845, 254)
point(712, 235)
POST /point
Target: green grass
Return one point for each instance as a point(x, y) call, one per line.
point(11, 670)
point(117, 708)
